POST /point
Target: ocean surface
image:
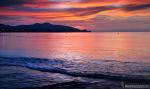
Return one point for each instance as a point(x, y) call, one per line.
point(39, 59)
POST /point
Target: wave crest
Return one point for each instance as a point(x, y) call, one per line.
point(67, 67)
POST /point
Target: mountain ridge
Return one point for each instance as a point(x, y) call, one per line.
point(39, 27)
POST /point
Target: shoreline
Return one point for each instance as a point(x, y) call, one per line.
point(76, 85)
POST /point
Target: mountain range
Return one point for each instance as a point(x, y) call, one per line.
point(39, 27)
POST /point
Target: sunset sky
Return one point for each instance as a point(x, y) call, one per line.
point(95, 15)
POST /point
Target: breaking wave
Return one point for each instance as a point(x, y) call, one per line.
point(95, 69)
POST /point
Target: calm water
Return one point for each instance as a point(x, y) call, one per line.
point(77, 46)
point(119, 54)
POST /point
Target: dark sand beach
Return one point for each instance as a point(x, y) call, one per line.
point(76, 85)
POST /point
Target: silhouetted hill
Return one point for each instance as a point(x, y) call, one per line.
point(38, 27)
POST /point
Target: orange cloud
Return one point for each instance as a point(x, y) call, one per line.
point(72, 10)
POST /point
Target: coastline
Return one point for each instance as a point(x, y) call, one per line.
point(76, 85)
point(34, 77)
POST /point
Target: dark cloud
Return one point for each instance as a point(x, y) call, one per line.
point(65, 0)
point(136, 7)
point(91, 10)
point(5, 3)
point(4, 18)
point(76, 11)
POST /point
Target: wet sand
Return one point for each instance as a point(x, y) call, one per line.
point(77, 85)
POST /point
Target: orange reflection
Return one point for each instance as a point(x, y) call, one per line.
point(80, 46)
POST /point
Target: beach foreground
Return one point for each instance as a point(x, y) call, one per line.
point(77, 85)
point(13, 78)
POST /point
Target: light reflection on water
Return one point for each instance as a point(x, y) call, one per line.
point(121, 46)
point(78, 53)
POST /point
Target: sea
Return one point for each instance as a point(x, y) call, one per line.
point(41, 59)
